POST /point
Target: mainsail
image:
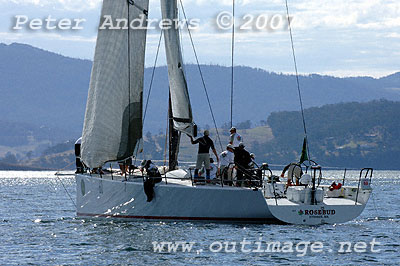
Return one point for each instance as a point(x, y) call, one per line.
point(180, 101)
point(113, 119)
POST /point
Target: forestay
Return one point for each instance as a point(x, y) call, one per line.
point(180, 101)
point(113, 120)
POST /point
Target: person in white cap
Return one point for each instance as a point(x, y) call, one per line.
point(235, 138)
point(253, 163)
point(203, 155)
point(226, 164)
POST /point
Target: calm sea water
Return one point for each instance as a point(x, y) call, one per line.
point(38, 227)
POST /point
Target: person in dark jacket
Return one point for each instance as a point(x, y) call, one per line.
point(80, 169)
point(242, 161)
point(152, 177)
point(203, 155)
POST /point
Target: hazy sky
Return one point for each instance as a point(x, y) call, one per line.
point(339, 37)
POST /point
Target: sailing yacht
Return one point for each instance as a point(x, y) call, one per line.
point(113, 132)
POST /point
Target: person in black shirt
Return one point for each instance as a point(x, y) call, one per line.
point(242, 161)
point(203, 155)
point(152, 177)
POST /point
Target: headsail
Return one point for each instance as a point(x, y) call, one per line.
point(180, 101)
point(113, 120)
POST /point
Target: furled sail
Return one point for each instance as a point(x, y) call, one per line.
point(180, 101)
point(113, 119)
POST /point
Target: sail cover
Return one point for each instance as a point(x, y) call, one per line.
point(180, 101)
point(113, 120)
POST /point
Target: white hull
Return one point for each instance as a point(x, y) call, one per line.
point(180, 200)
point(97, 197)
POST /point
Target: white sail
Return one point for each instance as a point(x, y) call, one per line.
point(180, 101)
point(113, 119)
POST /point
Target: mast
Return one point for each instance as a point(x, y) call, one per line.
point(180, 110)
point(180, 100)
point(174, 140)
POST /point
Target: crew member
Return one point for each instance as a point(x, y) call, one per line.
point(242, 161)
point(153, 176)
point(125, 165)
point(253, 163)
point(293, 171)
point(235, 138)
point(203, 155)
point(226, 164)
point(213, 170)
point(78, 162)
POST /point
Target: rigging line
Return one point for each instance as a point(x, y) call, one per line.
point(201, 74)
point(150, 87)
point(233, 54)
point(59, 170)
point(69, 195)
point(129, 78)
point(297, 77)
point(152, 78)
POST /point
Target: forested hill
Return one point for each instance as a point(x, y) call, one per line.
point(346, 134)
point(43, 99)
point(47, 89)
point(351, 135)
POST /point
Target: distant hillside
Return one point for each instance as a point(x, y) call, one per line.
point(43, 98)
point(347, 135)
point(42, 88)
point(47, 89)
point(14, 134)
point(352, 135)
